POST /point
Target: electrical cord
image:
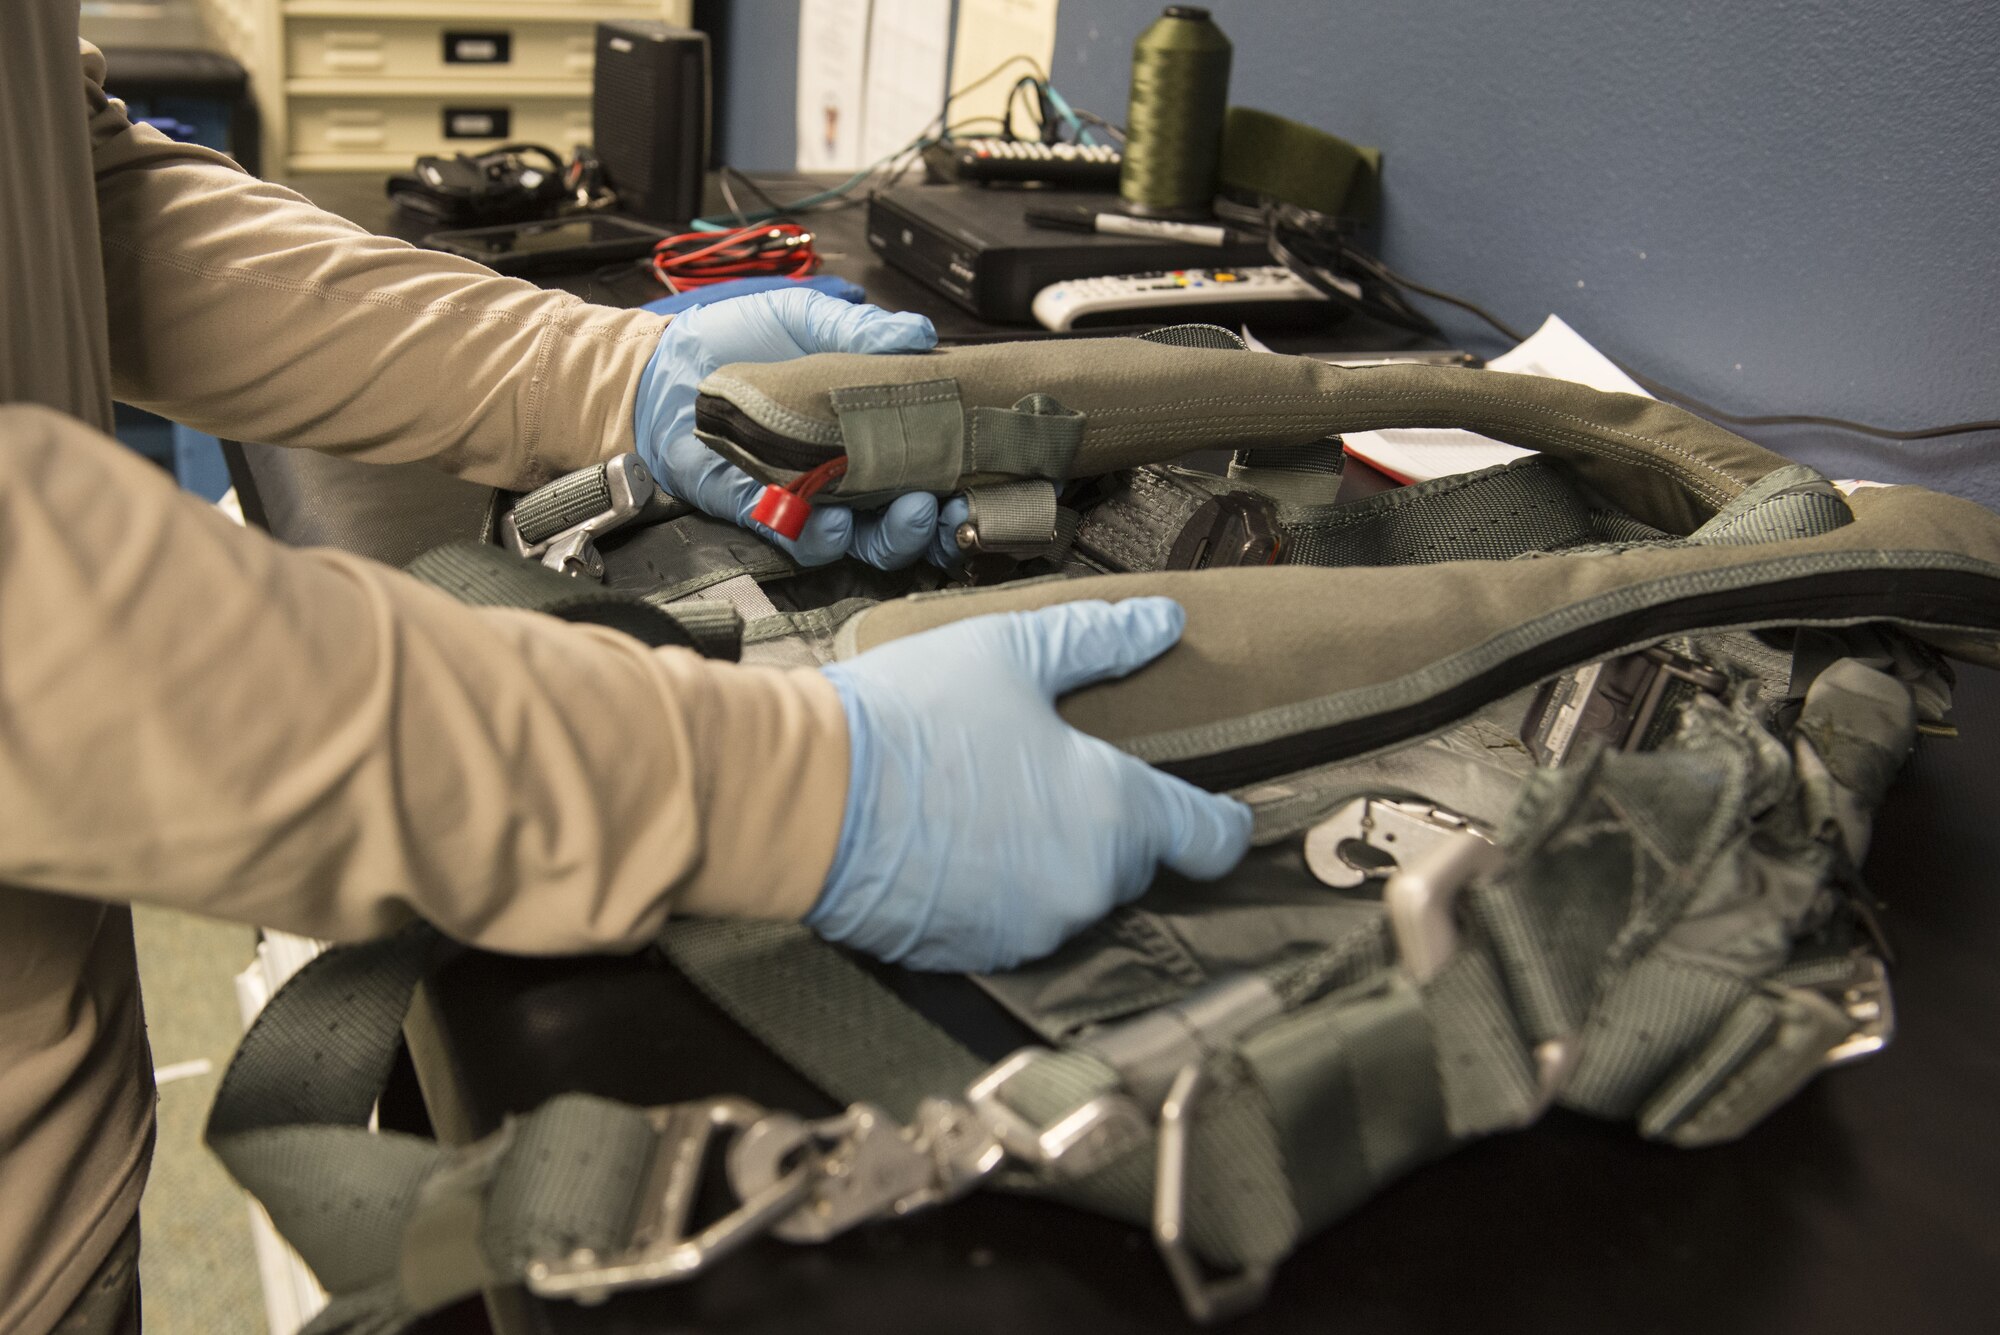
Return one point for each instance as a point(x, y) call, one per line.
point(1316, 247)
point(762, 250)
point(837, 194)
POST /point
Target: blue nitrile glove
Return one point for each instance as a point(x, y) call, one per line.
point(982, 830)
point(774, 327)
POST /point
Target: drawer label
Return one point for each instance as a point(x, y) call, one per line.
point(478, 48)
point(477, 122)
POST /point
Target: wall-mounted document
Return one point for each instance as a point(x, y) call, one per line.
point(909, 42)
point(833, 70)
point(989, 31)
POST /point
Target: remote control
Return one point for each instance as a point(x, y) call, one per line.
point(1248, 293)
point(1082, 165)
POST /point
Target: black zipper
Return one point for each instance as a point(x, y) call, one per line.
point(715, 416)
point(1940, 597)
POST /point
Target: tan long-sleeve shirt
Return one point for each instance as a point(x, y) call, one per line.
point(193, 715)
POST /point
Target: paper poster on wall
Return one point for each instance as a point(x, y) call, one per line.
point(833, 65)
point(909, 42)
point(989, 31)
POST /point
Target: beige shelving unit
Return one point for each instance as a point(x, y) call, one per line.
point(368, 85)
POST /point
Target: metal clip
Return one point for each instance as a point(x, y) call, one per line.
point(563, 536)
point(1373, 836)
point(660, 1251)
point(1207, 1298)
point(1076, 1144)
point(1864, 994)
point(869, 1166)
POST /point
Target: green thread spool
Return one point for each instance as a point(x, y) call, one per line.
point(1173, 125)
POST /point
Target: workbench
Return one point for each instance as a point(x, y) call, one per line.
point(1870, 1202)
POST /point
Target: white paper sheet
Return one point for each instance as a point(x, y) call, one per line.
point(833, 66)
point(909, 42)
point(1555, 350)
point(989, 31)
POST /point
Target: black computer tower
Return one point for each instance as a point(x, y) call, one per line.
point(650, 117)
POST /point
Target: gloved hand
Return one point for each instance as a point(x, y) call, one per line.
point(981, 830)
point(773, 327)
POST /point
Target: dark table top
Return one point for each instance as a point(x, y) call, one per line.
point(1870, 1202)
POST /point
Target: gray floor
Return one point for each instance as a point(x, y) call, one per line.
point(196, 1267)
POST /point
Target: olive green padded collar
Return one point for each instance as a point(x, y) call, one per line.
point(1353, 659)
point(1129, 402)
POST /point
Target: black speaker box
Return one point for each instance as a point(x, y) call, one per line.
point(649, 116)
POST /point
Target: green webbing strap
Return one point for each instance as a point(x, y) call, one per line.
point(1787, 503)
point(1293, 475)
point(839, 1028)
point(1353, 1085)
point(1037, 437)
point(715, 626)
point(820, 1012)
point(394, 1225)
point(487, 576)
point(1014, 518)
point(1495, 514)
point(901, 437)
point(1269, 156)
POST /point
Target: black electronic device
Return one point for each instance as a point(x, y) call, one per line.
point(649, 117)
point(977, 247)
point(1083, 166)
point(539, 247)
point(503, 185)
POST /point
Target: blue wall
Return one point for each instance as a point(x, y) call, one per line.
point(1775, 206)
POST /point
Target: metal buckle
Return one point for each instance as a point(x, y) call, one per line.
point(1421, 899)
point(1864, 994)
point(1207, 1297)
point(660, 1250)
point(1372, 836)
point(869, 1166)
point(629, 489)
point(1074, 1145)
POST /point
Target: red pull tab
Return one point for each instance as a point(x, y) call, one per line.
point(783, 512)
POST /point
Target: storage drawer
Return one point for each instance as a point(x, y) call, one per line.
point(363, 133)
point(471, 47)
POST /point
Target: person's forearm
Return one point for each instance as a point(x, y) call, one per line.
point(240, 308)
point(197, 716)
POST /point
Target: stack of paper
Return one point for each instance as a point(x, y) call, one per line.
point(1555, 350)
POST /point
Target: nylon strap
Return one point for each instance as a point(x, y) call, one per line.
point(1014, 518)
point(1036, 438)
point(1293, 475)
point(476, 573)
point(820, 1012)
point(394, 1225)
point(1494, 514)
point(901, 437)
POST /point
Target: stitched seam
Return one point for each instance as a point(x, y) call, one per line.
point(389, 301)
point(1341, 395)
point(538, 384)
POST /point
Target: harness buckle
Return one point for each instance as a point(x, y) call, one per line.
point(559, 524)
point(1421, 899)
point(1865, 995)
point(1373, 836)
point(1207, 1297)
point(869, 1167)
point(661, 1250)
point(1075, 1144)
